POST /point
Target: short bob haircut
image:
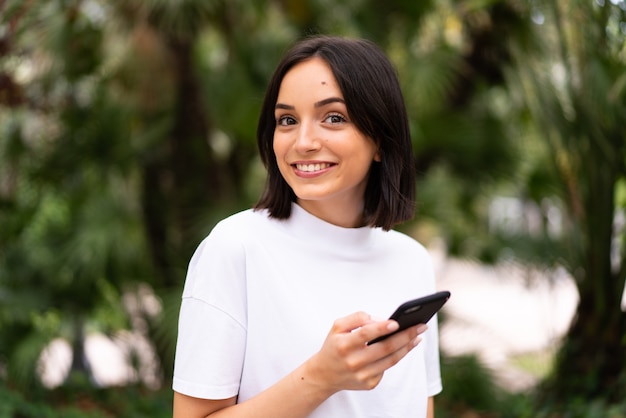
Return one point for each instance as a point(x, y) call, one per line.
point(375, 105)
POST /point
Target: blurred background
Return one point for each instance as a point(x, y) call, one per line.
point(127, 130)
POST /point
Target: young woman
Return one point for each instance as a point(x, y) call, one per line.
point(281, 300)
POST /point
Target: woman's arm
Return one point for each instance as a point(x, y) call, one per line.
point(431, 408)
point(344, 362)
point(188, 406)
point(290, 397)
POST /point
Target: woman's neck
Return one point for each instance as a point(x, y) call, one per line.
point(336, 213)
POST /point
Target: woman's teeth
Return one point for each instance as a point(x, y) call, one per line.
point(312, 167)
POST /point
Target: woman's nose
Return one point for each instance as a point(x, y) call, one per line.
point(307, 139)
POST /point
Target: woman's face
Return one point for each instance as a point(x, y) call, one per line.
point(321, 154)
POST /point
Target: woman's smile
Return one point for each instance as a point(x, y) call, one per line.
point(309, 169)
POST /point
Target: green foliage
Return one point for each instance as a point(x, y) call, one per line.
point(86, 402)
point(471, 389)
point(572, 88)
point(582, 408)
point(13, 404)
point(70, 224)
point(469, 383)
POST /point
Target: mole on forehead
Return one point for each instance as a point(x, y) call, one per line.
point(323, 83)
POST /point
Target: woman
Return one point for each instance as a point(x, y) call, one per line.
point(317, 253)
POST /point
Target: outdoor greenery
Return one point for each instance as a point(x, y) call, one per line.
point(127, 129)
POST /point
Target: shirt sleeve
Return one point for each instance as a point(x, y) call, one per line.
point(431, 355)
point(209, 352)
point(212, 322)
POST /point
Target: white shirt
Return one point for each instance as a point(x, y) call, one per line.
point(262, 294)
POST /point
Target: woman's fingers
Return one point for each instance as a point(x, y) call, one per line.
point(351, 322)
point(347, 362)
point(393, 349)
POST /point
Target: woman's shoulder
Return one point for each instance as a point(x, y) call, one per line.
point(403, 240)
point(241, 222)
point(229, 237)
point(403, 245)
point(239, 227)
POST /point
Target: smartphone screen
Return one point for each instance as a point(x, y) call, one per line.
point(416, 311)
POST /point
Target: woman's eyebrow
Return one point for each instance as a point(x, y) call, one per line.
point(316, 104)
point(328, 101)
point(284, 106)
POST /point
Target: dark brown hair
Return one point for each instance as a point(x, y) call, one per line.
point(375, 105)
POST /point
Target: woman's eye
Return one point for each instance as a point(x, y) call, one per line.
point(285, 120)
point(335, 118)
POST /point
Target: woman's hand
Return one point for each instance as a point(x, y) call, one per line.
point(346, 362)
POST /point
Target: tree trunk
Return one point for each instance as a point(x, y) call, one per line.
point(183, 177)
point(80, 368)
point(591, 362)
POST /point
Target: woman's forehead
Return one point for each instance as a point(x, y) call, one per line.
point(311, 76)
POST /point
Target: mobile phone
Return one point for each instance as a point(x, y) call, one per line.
point(416, 311)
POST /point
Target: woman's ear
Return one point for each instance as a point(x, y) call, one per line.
point(377, 156)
